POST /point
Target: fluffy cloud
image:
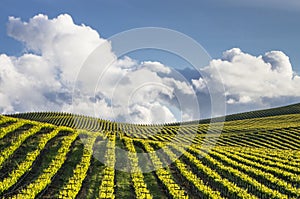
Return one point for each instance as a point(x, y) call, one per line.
point(251, 79)
point(136, 92)
point(43, 78)
point(59, 41)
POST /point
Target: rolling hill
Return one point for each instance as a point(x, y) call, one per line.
point(56, 155)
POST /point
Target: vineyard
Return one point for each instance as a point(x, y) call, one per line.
point(57, 155)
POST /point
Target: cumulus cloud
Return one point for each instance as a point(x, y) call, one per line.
point(252, 79)
point(43, 78)
point(60, 42)
point(135, 92)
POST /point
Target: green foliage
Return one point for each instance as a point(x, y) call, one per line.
point(257, 157)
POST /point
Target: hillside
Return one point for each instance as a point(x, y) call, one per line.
point(72, 120)
point(284, 110)
point(49, 155)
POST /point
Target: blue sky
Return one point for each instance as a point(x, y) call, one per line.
point(254, 46)
point(218, 25)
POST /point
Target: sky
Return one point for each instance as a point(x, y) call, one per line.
point(254, 26)
point(254, 45)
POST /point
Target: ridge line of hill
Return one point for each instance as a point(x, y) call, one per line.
point(284, 110)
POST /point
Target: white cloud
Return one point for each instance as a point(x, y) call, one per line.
point(250, 79)
point(199, 83)
point(140, 90)
point(151, 113)
point(59, 41)
point(156, 67)
point(42, 79)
